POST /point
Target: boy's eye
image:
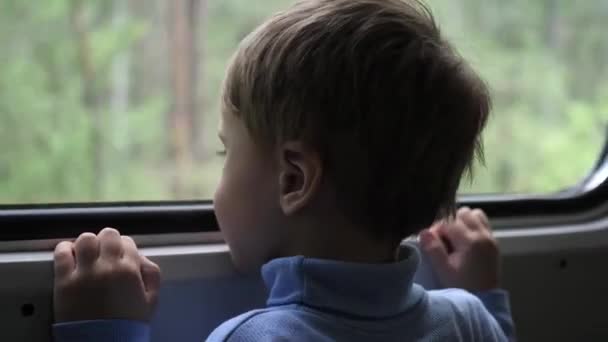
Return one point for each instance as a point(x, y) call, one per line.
point(221, 153)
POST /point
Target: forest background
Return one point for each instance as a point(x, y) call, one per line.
point(117, 100)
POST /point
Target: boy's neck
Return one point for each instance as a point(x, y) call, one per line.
point(339, 241)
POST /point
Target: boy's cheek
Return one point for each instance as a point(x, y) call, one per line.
point(238, 223)
point(219, 203)
point(221, 198)
point(227, 213)
point(232, 203)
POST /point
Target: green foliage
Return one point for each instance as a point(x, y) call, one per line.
point(67, 135)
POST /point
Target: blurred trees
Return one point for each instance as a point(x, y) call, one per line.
point(118, 100)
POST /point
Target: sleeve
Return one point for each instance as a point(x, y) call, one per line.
point(102, 331)
point(497, 303)
point(477, 319)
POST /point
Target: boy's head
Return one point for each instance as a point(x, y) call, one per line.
point(357, 109)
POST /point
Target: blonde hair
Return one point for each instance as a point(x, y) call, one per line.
point(394, 111)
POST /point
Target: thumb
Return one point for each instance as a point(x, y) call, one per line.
point(150, 274)
point(435, 249)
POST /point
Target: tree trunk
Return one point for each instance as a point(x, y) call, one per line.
point(150, 73)
point(183, 80)
point(87, 72)
point(553, 24)
point(553, 36)
point(198, 24)
point(119, 99)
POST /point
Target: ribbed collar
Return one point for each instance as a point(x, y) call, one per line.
point(354, 289)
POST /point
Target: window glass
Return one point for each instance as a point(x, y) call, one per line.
point(546, 62)
point(118, 100)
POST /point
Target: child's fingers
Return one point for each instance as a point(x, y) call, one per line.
point(471, 221)
point(150, 274)
point(462, 211)
point(110, 244)
point(456, 233)
point(435, 249)
point(130, 248)
point(434, 228)
point(482, 217)
point(86, 249)
point(437, 230)
point(64, 259)
point(465, 214)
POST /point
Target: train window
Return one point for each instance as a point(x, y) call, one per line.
point(105, 101)
point(546, 63)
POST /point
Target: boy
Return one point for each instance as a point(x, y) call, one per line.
point(347, 126)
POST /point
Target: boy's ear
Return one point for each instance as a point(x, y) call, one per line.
point(300, 171)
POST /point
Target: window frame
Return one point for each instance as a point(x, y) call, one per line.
point(68, 220)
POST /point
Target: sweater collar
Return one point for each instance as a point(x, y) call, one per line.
point(355, 289)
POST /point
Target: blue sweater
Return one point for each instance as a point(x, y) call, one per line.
point(325, 300)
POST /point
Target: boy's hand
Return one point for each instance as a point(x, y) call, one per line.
point(463, 252)
point(103, 277)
